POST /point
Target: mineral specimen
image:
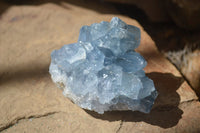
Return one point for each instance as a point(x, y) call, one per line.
point(102, 72)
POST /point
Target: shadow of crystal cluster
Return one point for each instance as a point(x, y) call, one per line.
point(102, 72)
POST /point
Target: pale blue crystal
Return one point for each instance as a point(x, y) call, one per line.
point(128, 60)
point(102, 72)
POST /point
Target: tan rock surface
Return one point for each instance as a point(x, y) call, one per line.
point(191, 69)
point(30, 102)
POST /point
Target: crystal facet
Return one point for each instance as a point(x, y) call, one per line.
point(102, 72)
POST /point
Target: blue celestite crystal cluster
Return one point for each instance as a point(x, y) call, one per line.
point(102, 72)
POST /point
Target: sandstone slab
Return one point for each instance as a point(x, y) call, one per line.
point(30, 102)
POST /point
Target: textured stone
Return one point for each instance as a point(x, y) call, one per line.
point(28, 35)
point(191, 69)
point(102, 72)
point(188, 62)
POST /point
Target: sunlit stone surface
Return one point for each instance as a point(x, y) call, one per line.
point(102, 72)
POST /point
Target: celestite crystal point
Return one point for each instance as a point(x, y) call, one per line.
point(102, 72)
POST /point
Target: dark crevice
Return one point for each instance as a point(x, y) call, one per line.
point(120, 126)
point(15, 121)
point(189, 101)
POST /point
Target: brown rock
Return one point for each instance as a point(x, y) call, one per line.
point(185, 13)
point(30, 102)
point(154, 9)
